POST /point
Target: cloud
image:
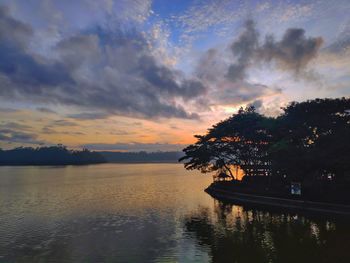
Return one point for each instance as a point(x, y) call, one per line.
point(18, 65)
point(130, 11)
point(48, 130)
point(217, 15)
point(63, 123)
point(225, 71)
point(13, 132)
point(79, 49)
point(14, 125)
point(341, 44)
point(234, 93)
point(12, 30)
point(134, 147)
point(243, 49)
point(88, 115)
point(101, 64)
point(220, 17)
point(211, 66)
point(106, 70)
point(8, 110)
point(11, 136)
point(257, 104)
point(45, 110)
point(293, 52)
point(228, 74)
point(121, 132)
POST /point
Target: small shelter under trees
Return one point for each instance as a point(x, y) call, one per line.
point(308, 143)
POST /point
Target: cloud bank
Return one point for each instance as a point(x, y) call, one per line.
point(113, 71)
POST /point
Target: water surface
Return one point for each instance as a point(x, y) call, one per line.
point(149, 213)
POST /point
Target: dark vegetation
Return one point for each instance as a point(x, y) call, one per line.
point(60, 155)
point(52, 155)
point(308, 143)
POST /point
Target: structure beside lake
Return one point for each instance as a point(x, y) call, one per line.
point(220, 192)
point(304, 153)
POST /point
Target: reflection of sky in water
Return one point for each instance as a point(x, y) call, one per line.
point(101, 213)
point(147, 213)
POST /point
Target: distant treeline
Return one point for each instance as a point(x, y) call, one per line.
point(51, 155)
point(141, 157)
point(60, 155)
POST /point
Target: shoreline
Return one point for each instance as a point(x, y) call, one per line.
point(72, 164)
point(277, 202)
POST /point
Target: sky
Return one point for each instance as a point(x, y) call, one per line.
point(131, 75)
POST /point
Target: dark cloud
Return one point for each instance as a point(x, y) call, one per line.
point(63, 123)
point(108, 71)
point(14, 125)
point(79, 49)
point(243, 49)
point(45, 110)
point(211, 66)
point(13, 132)
point(21, 67)
point(121, 132)
point(8, 135)
point(165, 80)
point(132, 147)
point(232, 87)
point(293, 52)
point(88, 115)
point(13, 31)
point(50, 130)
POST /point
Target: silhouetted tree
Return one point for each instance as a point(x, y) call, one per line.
point(309, 143)
point(241, 140)
point(312, 141)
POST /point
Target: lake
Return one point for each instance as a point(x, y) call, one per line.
point(149, 213)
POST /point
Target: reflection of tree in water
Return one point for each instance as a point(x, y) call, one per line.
point(237, 235)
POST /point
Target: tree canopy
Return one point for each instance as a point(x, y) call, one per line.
point(308, 140)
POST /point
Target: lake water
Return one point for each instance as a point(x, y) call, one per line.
point(149, 213)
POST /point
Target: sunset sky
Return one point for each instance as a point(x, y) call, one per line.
point(134, 75)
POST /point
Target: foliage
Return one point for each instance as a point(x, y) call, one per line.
point(309, 141)
point(312, 139)
point(52, 155)
point(240, 140)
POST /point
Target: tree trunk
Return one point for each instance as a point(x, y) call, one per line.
point(229, 170)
